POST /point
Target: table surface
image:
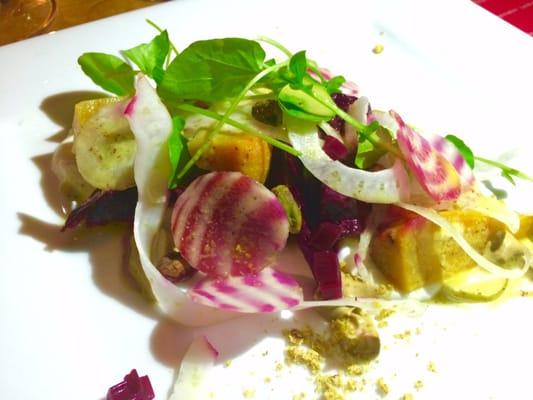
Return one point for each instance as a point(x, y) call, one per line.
point(75, 12)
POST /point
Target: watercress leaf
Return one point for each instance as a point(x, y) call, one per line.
point(150, 57)
point(304, 105)
point(270, 62)
point(465, 151)
point(177, 150)
point(212, 70)
point(334, 84)
point(298, 66)
point(109, 72)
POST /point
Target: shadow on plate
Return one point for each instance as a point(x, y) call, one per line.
point(60, 109)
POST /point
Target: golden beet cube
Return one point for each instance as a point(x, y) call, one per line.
point(415, 252)
point(233, 152)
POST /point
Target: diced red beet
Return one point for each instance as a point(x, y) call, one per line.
point(226, 223)
point(350, 226)
point(326, 270)
point(343, 101)
point(334, 206)
point(334, 148)
point(326, 235)
point(132, 387)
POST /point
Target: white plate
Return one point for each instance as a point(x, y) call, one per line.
point(71, 326)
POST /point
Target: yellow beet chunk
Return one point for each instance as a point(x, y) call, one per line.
point(234, 152)
point(104, 145)
point(415, 252)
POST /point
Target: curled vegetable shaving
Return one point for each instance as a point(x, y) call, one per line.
point(151, 125)
point(196, 365)
point(382, 187)
point(492, 208)
point(489, 266)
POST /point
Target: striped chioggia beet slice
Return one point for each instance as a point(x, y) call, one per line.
point(433, 171)
point(450, 152)
point(267, 291)
point(226, 223)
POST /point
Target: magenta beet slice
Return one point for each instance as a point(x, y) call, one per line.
point(267, 291)
point(226, 223)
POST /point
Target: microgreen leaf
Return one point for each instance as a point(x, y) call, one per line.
point(109, 72)
point(177, 150)
point(303, 105)
point(368, 153)
point(212, 70)
point(465, 151)
point(507, 172)
point(298, 66)
point(150, 57)
point(334, 84)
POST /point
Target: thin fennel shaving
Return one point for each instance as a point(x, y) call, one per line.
point(483, 262)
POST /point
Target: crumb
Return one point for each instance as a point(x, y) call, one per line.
point(403, 335)
point(382, 324)
point(383, 388)
point(306, 357)
point(211, 395)
point(419, 384)
point(279, 367)
point(299, 396)
point(407, 396)
point(268, 379)
point(334, 387)
point(432, 367)
point(384, 313)
point(264, 353)
point(355, 370)
point(227, 363)
point(378, 49)
point(418, 331)
point(417, 354)
point(248, 393)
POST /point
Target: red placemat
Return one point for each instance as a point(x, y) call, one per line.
point(516, 12)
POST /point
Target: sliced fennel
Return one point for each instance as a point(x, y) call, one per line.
point(382, 187)
point(511, 273)
point(151, 125)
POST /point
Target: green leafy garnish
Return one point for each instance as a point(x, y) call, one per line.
point(334, 84)
point(109, 72)
point(465, 151)
point(177, 150)
point(507, 172)
point(212, 70)
point(368, 153)
point(298, 66)
point(150, 57)
point(304, 104)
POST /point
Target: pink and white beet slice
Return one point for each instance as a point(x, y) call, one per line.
point(267, 291)
point(226, 223)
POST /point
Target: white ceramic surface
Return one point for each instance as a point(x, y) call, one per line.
point(70, 324)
